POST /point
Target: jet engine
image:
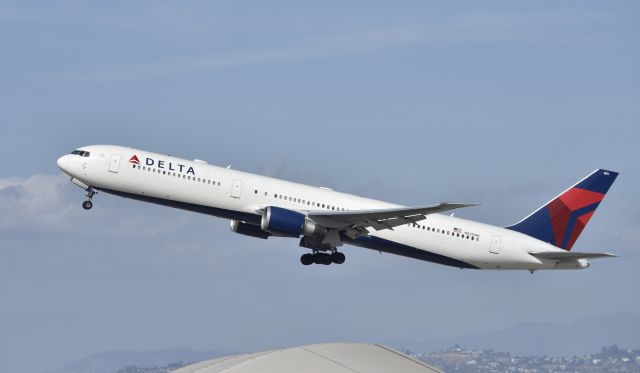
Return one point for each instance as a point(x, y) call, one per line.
point(283, 222)
point(248, 229)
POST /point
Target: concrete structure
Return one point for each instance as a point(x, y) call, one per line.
point(321, 358)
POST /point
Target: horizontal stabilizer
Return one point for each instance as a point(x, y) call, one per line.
point(569, 255)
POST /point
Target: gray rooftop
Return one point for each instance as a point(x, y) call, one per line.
point(325, 358)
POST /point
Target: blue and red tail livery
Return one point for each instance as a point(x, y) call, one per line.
point(561, 221)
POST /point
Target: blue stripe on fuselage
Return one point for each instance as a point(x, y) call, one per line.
point(370, 242)
point(214, 211)
point(380, 244)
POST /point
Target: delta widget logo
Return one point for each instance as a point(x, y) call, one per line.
point(164, 165)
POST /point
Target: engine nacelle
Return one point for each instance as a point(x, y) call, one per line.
point(283, 222)
point(248, 229)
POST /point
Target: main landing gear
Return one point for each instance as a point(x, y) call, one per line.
point(322, 258)
point(87, 204)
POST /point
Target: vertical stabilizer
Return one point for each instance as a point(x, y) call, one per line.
point(561, 221)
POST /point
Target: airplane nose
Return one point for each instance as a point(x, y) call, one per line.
point(63, 161)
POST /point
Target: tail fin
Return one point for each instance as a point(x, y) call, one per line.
point(561, 221)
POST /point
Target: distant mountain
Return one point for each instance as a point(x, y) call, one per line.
point(111, 361)
point(533, 338)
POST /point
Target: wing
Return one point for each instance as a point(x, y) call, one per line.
point(380, 219)
point(569, 255)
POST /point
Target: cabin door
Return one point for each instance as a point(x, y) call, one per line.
point(114, 164)
point(236, 188)
point(496, 242)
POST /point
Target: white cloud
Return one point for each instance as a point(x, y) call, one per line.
point(35, 202)
point(50, 203)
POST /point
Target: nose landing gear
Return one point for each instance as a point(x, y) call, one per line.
point(322, 258)
point(87, 204)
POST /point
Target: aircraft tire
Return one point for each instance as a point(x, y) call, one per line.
point(307, 259)
point(87, 205)
point(322, 258)
point(338, 257)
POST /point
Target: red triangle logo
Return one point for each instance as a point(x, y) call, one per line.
point(134, 159)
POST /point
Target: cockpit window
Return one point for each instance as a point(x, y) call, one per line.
point(81, 153)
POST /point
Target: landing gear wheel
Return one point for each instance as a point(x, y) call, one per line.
point(322, 258)
point(338, 257)
point(307, 259)
point(87, 205)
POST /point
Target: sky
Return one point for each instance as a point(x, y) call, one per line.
point(501, 103)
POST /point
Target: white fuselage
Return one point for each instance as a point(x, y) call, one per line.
point(232, 194)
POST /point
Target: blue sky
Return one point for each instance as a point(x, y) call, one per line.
point(500, 103)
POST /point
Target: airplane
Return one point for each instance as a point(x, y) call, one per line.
point(324, 220)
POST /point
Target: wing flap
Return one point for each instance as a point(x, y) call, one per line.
point(380, 219)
